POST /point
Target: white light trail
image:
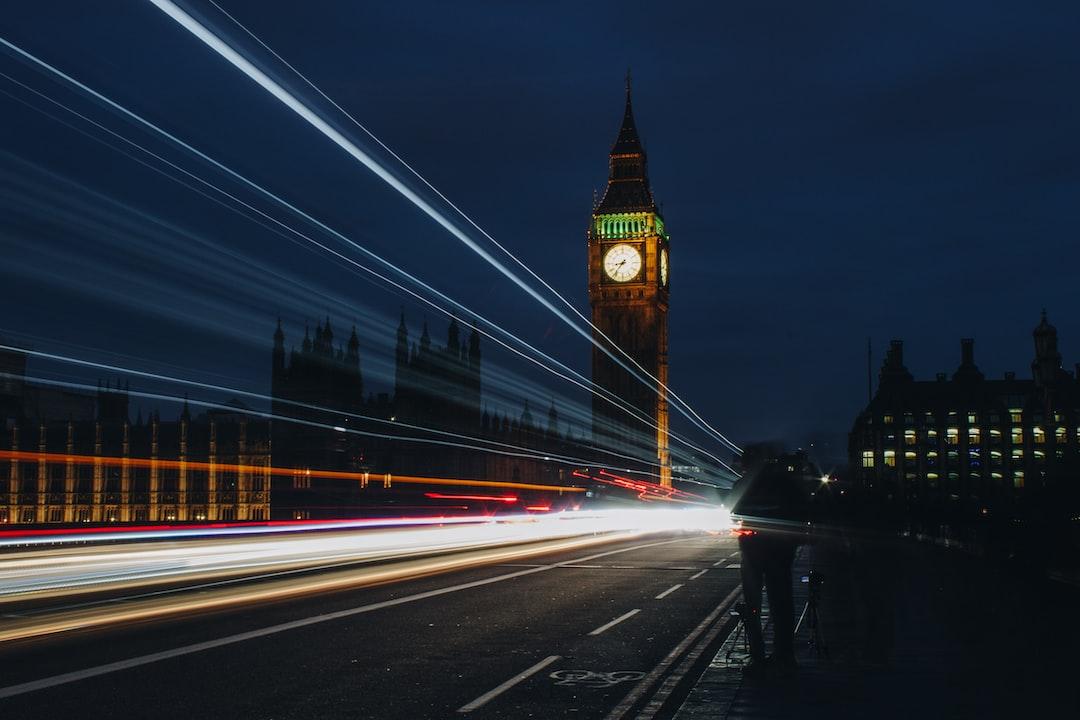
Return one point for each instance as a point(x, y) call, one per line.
point(372, 554)
point(524, 266)
point(581, 381)
point(491, 446)
point(290, 101)
point(210, 551)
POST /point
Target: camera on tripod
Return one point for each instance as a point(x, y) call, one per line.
point(814, 579)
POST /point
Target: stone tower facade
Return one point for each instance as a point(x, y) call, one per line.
point(628, 262)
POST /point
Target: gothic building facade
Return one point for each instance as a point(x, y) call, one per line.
point(628, 262)
point(70, 457)
point(969, 444)
point(431, 426)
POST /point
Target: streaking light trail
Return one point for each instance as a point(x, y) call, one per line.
point(159, 575)
point(387, 479)
point(673, 395)
point(308, 115)
point(580, 380)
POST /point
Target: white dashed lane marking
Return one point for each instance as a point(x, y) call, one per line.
point(667, 592)
point(495, 692)
point(608, 625)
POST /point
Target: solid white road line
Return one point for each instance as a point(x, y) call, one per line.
point(64, 678)
point(492, 694)
point(656, 702)
point(616, 621)
point(734, 554)
point(696, 575)
point(718, 563)
point(733, 566)
point(649, 680)
point(667, 592)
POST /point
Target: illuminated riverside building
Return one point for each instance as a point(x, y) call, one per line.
point(105, 469)
point(968, 443)
point(628, 289)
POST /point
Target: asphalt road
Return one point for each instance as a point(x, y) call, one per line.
point(573, 634)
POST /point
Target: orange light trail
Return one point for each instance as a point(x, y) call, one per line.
point(386, 479)
point(454, 496)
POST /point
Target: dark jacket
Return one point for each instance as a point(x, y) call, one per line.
point(773, 498)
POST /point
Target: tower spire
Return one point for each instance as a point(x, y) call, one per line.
point(628, 141)
point(628, 180)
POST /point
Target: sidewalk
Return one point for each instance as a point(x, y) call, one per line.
point(912, 632)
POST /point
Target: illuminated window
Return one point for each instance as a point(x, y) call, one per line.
point(972, 418)
point(1018, 478)
point(995, 475)
point(887, 419)
point(1018, 454)
point(868, 458)
point(952, 436)
point(1038, 435)
point(1016, 415)
point(931, 476)
point(974, 436)
point(910, 455)
point(1061, 436)
point(890, 458)
point(909, 437)
point(1058, 417)
point(1040, 456)
point(1017, 435)
point(931, 434)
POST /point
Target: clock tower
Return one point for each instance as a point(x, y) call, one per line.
point(628, 291)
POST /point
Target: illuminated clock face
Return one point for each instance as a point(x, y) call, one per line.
point(663, 267)
point(622, 263)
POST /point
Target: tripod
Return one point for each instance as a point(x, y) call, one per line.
point(816, 640)
point(739, 633)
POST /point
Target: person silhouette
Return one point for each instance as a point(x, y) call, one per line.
point(772, 515)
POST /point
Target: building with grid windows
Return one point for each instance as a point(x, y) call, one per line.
point(68, 456)
point(967, 443)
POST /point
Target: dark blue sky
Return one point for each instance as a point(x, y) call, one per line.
point(829, 171)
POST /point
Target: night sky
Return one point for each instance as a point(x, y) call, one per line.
point(829, 172)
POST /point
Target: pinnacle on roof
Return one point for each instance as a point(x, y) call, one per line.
point(628, 140)
point(1044, 325)
point(628, 179)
